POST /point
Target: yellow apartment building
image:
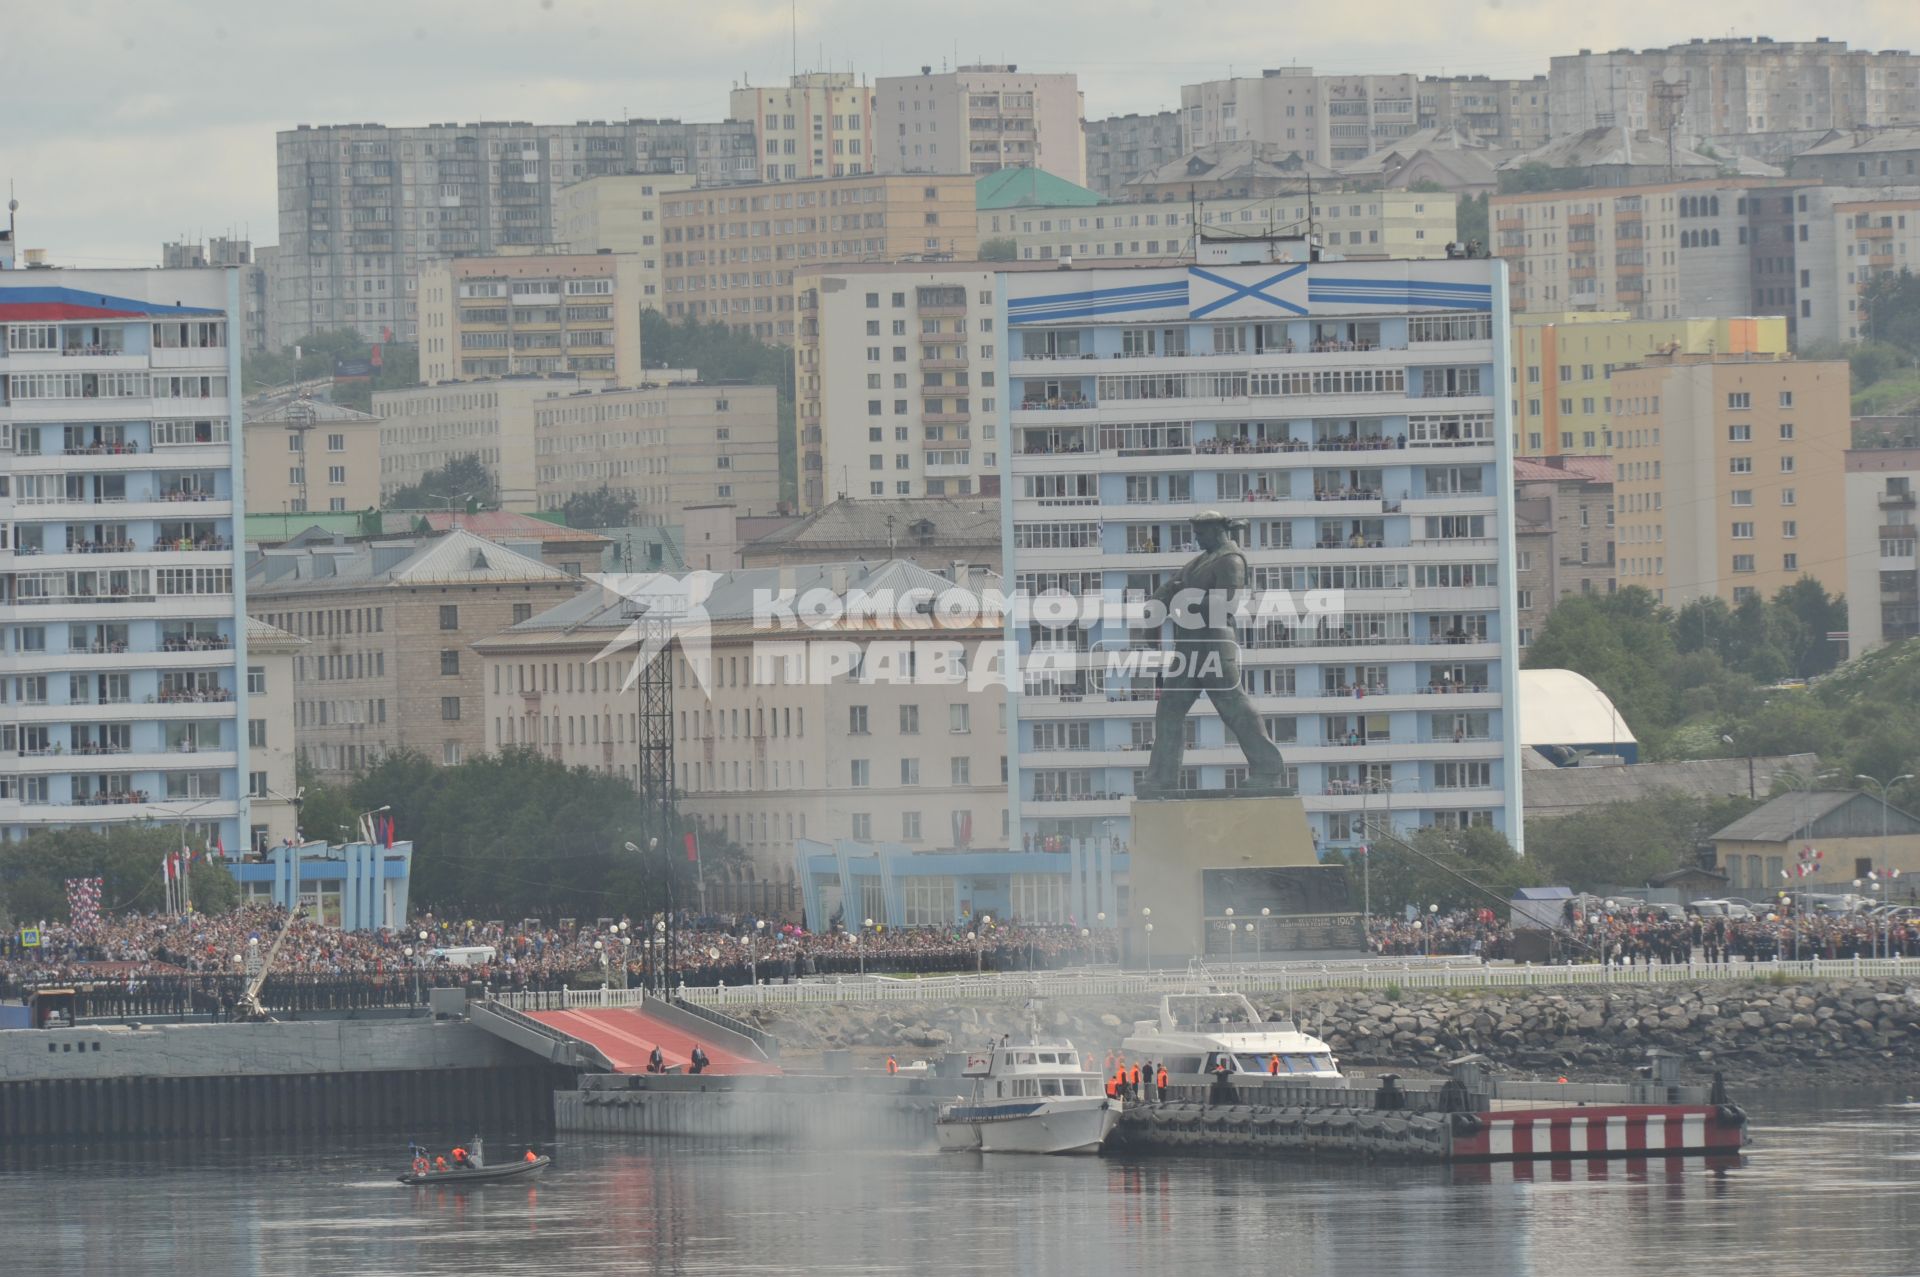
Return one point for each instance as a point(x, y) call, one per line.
point(536, 314)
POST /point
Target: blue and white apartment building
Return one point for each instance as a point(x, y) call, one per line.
point(124, 678)
point(1354, 414)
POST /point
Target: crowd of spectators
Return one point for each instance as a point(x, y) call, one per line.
point(1630, 936)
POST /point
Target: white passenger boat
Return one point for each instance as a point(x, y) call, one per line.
point(1197, 1030)
point(1030, 1098)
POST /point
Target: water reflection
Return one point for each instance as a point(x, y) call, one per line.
point(1832, 1191)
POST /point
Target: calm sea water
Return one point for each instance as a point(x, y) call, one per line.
point(1832, 1190)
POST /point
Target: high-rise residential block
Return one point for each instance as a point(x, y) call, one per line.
point(1563, 535)
point(820, 125)
point(423, 428)
point(731, 255)
point(1508, 114)
point(1883, 575)
point(619, 213)
point(364, 206)
point(668, 446)
point(979, 119)
point(127, 678)
point(1732, 85)
point(218, 252)
point(1122, 147)
point(1727, 474)
point(1844, 239)
point(1353, 415)
point(896, 381)
point(539, 314)
point(305, 456)
point(1564, 365)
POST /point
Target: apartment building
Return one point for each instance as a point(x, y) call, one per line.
point(1846, 237)
point(731, 255)
point(422, 428)
point(1734, 85)
point(273, 786)
point(1328, 119)
point(543, 313)
point(309, 455)
point(220, 252)
point(1508, 114)
point(668, 446)
point(1564, 365)
point(1727, 471)
point(896, 372)
point(1563, 534)
point(770, 745)
point(619, 213)
point(1883, 576)
point(1397, 224)
point(1122, 147)
point(388, 625)
point(127, 677)
point(1717, 247)
point(1862, 157)
point(978, 119)
point(1352, 413)
point(820, 125)
point(364, 206)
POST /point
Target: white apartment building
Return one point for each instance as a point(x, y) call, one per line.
point(980, 119)
point(425, 427)
point(763, 751)
point(1328, 119)
point(364, 206)
point(1396, 224)
point(1846, 237)
point(669, 446)
point(619, 213)
point(1883, 575)
point(896, 370)
point(127, 683)
point(272, 780)
point(1354, 414)
point(819, 125)
point(536, 313)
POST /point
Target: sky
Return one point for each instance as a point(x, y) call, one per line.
point(134, 123)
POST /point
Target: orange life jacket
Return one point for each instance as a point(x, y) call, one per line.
point(1162, 1080)
point(893, 1065)
point(1113, 1087)
point(1273, 1066)
point(530, 1157)
point(1135, 1077)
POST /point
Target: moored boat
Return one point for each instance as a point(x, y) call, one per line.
point(1031, 1098)
point(475, 1171)
point(1200, 1030)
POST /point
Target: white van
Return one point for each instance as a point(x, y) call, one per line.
point(468, 955)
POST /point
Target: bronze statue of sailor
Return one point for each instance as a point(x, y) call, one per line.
point(1199, 599)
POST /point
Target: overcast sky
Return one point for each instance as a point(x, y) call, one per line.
point(132, 123)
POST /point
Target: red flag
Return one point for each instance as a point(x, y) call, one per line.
point(389, 832)
point(219, 844)
point(693, 848)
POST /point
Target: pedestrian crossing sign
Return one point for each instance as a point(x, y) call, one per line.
point(29, 937)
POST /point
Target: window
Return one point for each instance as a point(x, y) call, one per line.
point(256, 680)
point(257, 733)
point(1741, 496)
point(336, 474)
point(450, 753)
point(856, 720)
point(1790, 529)
point(1786, 430)
point(256, 784)
point(859, 773)
point(1742, 433)
point(1790, 562)
point(522, 612)
point(1743, 532)
point(450, 661)
point(1523, 599)
point(336, 443)
point(910, 820)
point(909, 771)
point(960, 770)
point(1786, 465)
point(1739, 400)
point(959, 719)
point(450, 709)
point(1740, 465)
point(909, 720)
point(863, 826)
point(449, 616)
point(1743, 563)
point(1786, 399)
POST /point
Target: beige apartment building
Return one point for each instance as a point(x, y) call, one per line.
point(538, 314)
point(422, 428)
point(387, 626)
point(1850, 236)
point(770, 743)
point(1883, 576)
point(819, 125)
point(1727, 474)
point(894, 370)
point(1382, 224)
point(1563, 534)
point(619, 213)
point(1657, 252)
point(668, 446)
point(309, 455)
point(1564, 364)
point(980, 119)
point(272, 782)
point(731, 254)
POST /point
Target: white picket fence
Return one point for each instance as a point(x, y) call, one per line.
point(1378, 973)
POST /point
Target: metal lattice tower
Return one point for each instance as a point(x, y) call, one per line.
point(654, 778)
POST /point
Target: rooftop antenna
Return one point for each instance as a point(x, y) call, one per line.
point(793, 15)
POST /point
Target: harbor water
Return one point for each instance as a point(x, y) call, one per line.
point(1830, 1187)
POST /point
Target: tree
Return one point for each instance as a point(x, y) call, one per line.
point(1470, 220)
point(601, 508)
point(1623, 642)
point(1626, 844)
point(1428, 867)
point(464, 481)
point(1002, 249)
point(127, 858)
point(1892, 303)
point(1819, 614)
point(320, 353)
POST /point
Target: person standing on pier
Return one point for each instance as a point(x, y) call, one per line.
point(1160, 1082)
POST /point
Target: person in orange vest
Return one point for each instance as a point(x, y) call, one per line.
point(1273, 1065)
point(439, 1163)
point(1108, 1066)
point(459, 1157)
point(1133, 1084)
point(530, 1157)
point(1120, 1080)
point(893, 1065)
point(1160, 1082)
point(1113, 1087)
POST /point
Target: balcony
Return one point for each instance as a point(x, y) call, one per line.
point(946, 418)
point(1896, 500)
point(942, 365)
point(942, 312)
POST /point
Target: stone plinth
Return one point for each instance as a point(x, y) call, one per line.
point(1176, 840)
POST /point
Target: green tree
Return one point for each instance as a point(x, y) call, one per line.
point(1818, 614)
point(464, 480)
point(1453, 868)
point(1623, 642)
point(127, 858)
point(1470, 220)
point(1003, 249)
point(1626, 844)
point(601, 508)
point(1892, 303)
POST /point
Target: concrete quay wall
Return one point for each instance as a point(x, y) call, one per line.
point(274, 1048)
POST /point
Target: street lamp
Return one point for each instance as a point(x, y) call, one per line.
point(1265, 913)
point(1149, 947)
point(1880, 789)
point(753, 950)
point(1232, 927)
point(1433, 920)
point(977, 956)
point(860, 945)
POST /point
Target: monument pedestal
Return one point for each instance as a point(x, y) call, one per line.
point(1194, 855)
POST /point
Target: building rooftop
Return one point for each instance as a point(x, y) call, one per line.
point(1031, 188)
point(456, 558)
point(1562, 791)
point(643, 548)
point(495, 525)
point(307, 410)
point(1234, 161)
point(1561, 707)
point(1563, 470)
point(910, 522)
point(271, 638)
point(1785, 817)
point(279, 529)
point(1865, 141)
point(1611, 145)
